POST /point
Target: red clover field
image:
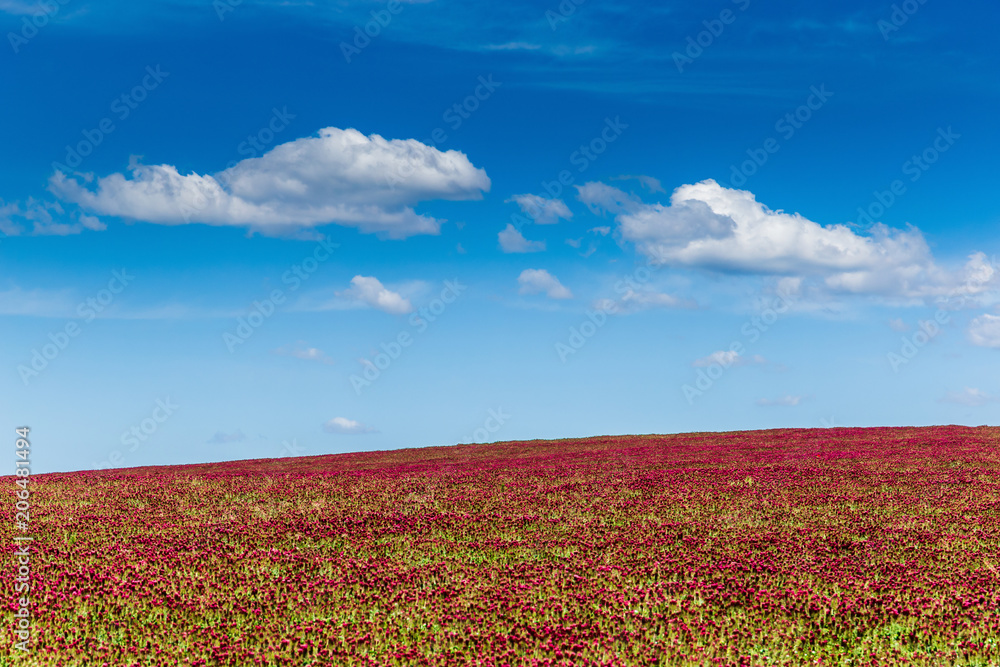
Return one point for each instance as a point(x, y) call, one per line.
point(841, 546)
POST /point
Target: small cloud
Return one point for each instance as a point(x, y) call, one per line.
point(541, 210)
point(221, 438)
point(574, 243)
point(899, 325)
point(969, 396)
point(603, 231)
point(534, 281)
point(459, 249)
point(511, 240)
point(633, 301)
point(370, 291)
point(786, 401)
point(727, 358)
point(301, 351)
point(985, 331)
point(342, 425)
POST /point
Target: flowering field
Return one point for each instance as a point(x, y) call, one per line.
point(786, 547)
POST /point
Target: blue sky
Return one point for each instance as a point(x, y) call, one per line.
point(251, 229)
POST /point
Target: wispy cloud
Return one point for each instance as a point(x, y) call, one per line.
point(985, 331)
point(513, 46)
point(44, 218)
point(302, 351)
point(221, 437)
point(344, 426)
point(727, 358)
point(970, 397)
point(513, 241)
point(784, 401)
point(542, 211)
point(535, 281)
point(634, 301)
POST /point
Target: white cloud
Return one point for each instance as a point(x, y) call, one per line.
point(368, 290)
point(603, 231)
point(786, 401)
point(541, 210)
point(634, 301)
point(727, 358)
point(343, 425)
point(899, 325)
point(511, 240)
point(340, 177)
point(969, 396)
point(985, 330)
point(534, 281)
point(710, 226)
point(302, 351)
